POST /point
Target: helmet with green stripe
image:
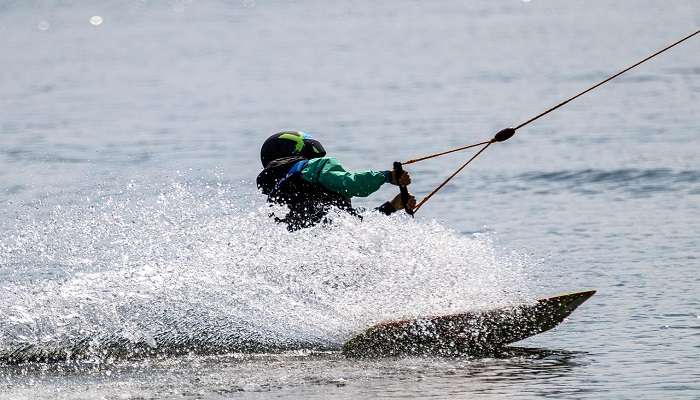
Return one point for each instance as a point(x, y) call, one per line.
point(290, 144)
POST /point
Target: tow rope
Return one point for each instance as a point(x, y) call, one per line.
point(507, 133)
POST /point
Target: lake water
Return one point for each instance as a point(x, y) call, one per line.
point(129, 142)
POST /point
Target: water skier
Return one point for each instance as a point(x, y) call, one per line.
point(297, 173)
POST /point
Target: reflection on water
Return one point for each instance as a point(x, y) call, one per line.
point(316, 373)
point(525, 363)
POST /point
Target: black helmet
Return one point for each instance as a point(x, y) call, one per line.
point(290, 144)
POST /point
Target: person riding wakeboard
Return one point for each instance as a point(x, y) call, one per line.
point(297, 173)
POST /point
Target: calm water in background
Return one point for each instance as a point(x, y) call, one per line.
point(129, 144)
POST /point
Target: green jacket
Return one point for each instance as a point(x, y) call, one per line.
point(328, 172)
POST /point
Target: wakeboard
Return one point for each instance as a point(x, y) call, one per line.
point(470, 333)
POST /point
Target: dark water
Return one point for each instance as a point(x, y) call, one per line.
point(132, 232)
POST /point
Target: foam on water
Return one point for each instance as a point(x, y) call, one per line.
point(199, 267)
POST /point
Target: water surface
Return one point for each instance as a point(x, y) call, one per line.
point(132, 231)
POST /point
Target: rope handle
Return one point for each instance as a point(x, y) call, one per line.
point(398, 172)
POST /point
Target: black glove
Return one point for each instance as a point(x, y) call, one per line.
point(398, 204)
point(405, 179)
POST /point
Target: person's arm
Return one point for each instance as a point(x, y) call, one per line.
point(328, 172)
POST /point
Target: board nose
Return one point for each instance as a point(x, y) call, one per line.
point(581, 297)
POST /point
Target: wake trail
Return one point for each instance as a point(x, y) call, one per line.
point(199, 267)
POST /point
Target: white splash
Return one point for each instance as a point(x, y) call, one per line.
point(198, 261)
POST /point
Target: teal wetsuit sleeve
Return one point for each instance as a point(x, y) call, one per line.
point(328, 172)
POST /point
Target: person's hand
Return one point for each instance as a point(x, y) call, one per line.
point(398, 204)
point(404, 180)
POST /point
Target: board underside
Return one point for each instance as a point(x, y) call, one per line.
point(467, 333)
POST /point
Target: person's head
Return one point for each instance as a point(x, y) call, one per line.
point(290, 144)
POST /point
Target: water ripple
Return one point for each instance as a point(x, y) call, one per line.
point(628, 179)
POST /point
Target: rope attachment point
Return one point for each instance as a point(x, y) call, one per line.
point(503, 135)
